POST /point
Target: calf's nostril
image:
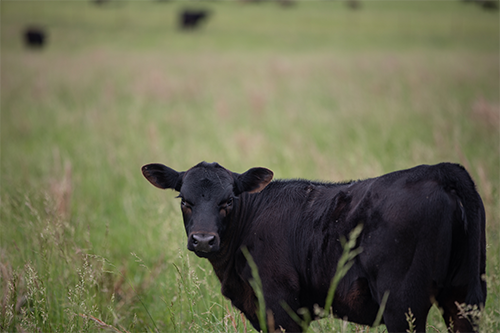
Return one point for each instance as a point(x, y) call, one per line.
point(201, 242)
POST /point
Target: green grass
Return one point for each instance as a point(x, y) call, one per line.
point(314, 91)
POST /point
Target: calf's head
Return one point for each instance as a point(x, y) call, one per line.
point(208, 194)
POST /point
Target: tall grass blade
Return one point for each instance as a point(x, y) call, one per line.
point(256, 284)
point(381, 309)
point(344, 264)
point(303, 323)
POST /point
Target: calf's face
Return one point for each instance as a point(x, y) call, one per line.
point(208, 194)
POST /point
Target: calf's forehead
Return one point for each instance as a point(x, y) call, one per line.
point(207, 180)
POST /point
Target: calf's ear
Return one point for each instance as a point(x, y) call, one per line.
point(162, 176)
point(252, 181)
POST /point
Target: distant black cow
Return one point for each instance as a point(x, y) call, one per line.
point(489, 4)
point(423, 240)
point(190, 18)
point(486, 4)
point(34, 37)
point(354, 4)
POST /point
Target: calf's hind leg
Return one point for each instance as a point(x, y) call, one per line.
point(403, 298)
point(447, 301)
point(395, 317)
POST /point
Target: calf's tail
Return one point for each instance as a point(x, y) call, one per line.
point(467, 269)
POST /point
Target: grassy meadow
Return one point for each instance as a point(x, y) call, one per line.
point(313, 90)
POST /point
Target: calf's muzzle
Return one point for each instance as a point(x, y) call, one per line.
point(200, 242)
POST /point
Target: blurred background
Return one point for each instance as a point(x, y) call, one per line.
point(332, 90)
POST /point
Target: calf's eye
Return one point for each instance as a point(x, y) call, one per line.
point(185, 204)
point(226, 204)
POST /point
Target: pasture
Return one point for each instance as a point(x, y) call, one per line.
point(312, 90)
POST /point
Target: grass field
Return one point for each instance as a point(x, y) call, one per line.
point(314, 90)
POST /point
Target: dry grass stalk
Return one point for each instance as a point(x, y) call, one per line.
point(230, 316)
point(9, 294)
point(61, 188)
point(486, 112)
point(485, 185)
point(103, 325)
